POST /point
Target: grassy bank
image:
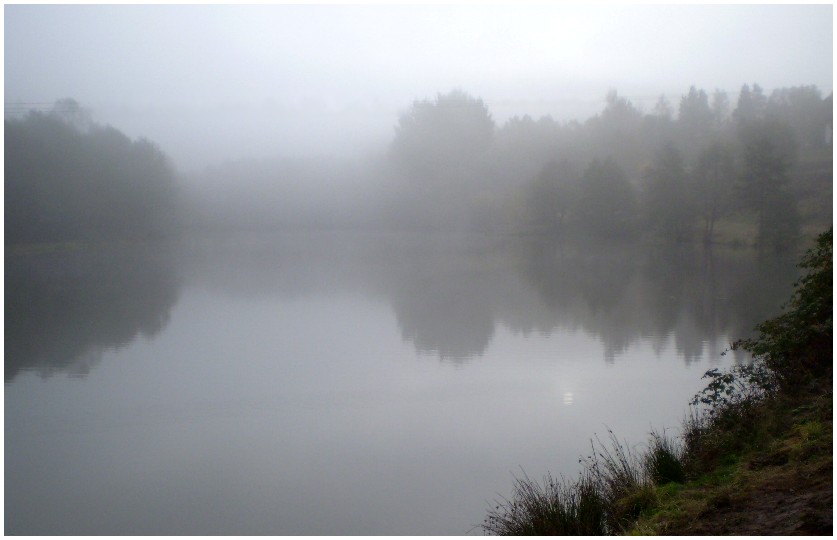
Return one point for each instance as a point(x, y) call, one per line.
point(754, 457)
point(771, 474)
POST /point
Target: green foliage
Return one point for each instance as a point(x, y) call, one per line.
point(798, 345)
point(722, 420)
point(633, 504)
point(792, 354)
point(740, 384)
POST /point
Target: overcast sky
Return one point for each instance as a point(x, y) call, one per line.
point(209, 83)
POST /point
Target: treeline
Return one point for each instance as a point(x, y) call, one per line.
point(758, 172)
point(71, 180)
point(764, 165)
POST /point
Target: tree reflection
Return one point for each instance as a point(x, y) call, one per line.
point(444, 297)
point(686, 293)
point(63, 310)
point(448, 301)
point(452, 318)
point(448, 296)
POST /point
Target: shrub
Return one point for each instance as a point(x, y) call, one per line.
point(738, 387)
point(798, 345)
point(723, 416)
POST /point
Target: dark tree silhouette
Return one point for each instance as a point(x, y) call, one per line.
point(669, 205)
point(607, 202)
point(751, 105)
point(552, 195)
point(714, 177)
point(695, 120)
point(68, 179)
point(442, 149)
point(801, 108)
point(768, 152)
point(453, 131)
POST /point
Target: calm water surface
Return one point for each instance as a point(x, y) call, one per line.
point(345, 384)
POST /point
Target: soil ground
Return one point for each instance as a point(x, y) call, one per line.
point(785, 501)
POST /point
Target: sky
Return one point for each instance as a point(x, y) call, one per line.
point(216, 83)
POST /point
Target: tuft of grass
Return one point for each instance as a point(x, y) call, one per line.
point(611, 493)
point(619, 476)
point(628, 508)
point(556, 507)
point(664, 461)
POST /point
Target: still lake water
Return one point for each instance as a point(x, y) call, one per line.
point(345, 384)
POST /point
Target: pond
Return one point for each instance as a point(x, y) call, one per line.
point(360, 384)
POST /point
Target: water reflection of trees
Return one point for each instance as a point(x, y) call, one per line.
point(689, 295)
point(444, 301)
point(448, 296)
point(63, 310)
point(448, 299)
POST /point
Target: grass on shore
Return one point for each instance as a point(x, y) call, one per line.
point(762, 467)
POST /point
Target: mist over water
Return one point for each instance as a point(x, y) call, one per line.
point(348, 270)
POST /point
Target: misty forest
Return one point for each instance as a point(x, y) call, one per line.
point(399, 270)
point(752, 170)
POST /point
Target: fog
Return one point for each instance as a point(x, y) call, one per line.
point(292, 269)
point(216, 83)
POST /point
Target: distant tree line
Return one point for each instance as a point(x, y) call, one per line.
point(704, 170)
point(622, 173)
point(69, 179)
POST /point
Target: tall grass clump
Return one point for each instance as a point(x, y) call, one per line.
point(556, 507)
point(620, 477)
point(664, 461)
point(609, 495)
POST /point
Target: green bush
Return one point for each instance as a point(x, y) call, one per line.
point(797, 346)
